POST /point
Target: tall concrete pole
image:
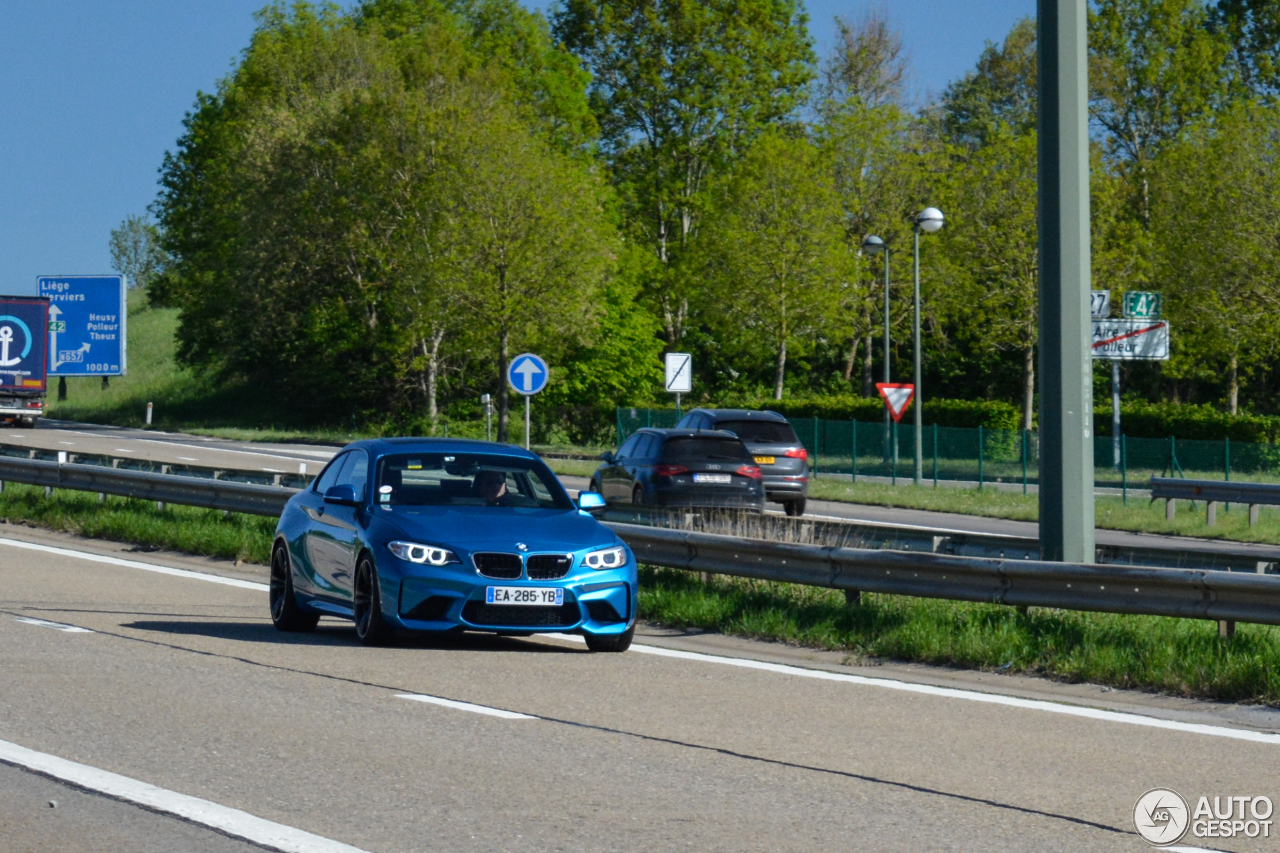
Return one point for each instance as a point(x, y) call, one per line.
point(1066, 370)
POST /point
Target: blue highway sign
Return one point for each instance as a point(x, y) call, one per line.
point(87, 322)
point(528, 374)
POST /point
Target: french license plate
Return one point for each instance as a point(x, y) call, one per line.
point(720, 479)
point(765, 460)
point(531, 596)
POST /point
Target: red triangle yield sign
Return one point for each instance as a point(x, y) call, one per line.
point(896, 398)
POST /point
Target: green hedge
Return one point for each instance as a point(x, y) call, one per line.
point(1202, 422)
point(993, 414)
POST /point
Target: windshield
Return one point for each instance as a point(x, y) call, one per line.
point(465, 479)
point(696, 449)
point(772, 432)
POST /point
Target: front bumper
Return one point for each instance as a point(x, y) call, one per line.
point(595, 602)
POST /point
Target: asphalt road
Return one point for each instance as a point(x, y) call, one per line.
point(684, 743)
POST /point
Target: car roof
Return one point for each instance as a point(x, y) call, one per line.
point(741, 414)
point(685, 433)
point(408, 444)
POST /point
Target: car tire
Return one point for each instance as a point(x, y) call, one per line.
point(372, 628)
point(611, 642)
point(637, 496)
point(286, 614)
point(795, 508)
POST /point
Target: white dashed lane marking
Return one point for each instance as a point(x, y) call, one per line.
point(466, 706)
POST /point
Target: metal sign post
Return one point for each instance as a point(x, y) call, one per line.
point(528, 375)
point(486, 401)
point(1066, 396)
point(679, 378)
point(87, 324)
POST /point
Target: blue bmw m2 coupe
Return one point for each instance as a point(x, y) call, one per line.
point(408, 535)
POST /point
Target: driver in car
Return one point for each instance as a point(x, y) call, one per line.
point(492, 487)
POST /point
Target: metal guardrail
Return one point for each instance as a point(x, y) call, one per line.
point(1185, 554)
point(1213, 492)
point(1186, 593)
point(164, 488)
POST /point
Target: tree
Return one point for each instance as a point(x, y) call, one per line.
point(135, 251)
point(991, 243)
point(999, 95)
point(526, 241)
point(869, 62)
point(680, 88)
point(1155, 67)
point(775, 248)
point(1217, 232)
point(1254, 29)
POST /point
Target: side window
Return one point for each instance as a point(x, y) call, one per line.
point(329, 476)
point(629, 446)
point(650, 448)
point(356, 472)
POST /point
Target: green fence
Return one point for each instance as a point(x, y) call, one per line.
point(984, 456)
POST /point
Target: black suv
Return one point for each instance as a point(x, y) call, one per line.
point(774, 445)
point(680, 467)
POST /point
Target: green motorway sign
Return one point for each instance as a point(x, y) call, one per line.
point(1143, 304)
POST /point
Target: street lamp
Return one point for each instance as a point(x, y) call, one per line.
point(873, 245)
point(929, 220)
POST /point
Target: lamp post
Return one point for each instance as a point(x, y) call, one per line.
point(873, 245)
point(929, 220)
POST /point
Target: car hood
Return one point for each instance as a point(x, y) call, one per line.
point(476, 528)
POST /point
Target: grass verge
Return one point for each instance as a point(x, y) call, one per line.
point(1111, 513)
point(1184, 657)
point(206, 532)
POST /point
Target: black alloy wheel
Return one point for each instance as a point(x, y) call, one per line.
point(371, 627)
point(611, 642)
point(795, 508)
point(286, 615)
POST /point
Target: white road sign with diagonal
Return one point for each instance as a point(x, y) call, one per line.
point(679, 372)
point(1131, 340)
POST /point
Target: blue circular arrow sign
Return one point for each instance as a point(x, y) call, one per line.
point(528, 374)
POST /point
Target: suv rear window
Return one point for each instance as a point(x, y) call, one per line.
point(772, 432)
point(695, 448)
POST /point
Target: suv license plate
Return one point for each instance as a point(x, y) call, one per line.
point(765, 460)
point(720, 479)
point(531, 596)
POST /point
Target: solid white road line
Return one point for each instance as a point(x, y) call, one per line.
point(233, 822)
point(133, 564)
point(466, 706)
point(781, 669)
point(70, 629)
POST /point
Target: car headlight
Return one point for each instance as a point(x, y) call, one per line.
point(606, 558)
point(428, 554)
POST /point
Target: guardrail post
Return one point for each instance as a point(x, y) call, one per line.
point(852, 598)
point(164, 469)
point(1210, 513)
point(1226, 628)
point(1253, 514)
point(1170, 507)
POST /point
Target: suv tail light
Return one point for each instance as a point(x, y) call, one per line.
point(798, 453)
point(669, 470)
point(34, 404)
point(751, 471)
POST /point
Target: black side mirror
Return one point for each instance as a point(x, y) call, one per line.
point(344, 495)
point(607, 457)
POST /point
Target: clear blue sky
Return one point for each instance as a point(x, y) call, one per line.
point(92, 94)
